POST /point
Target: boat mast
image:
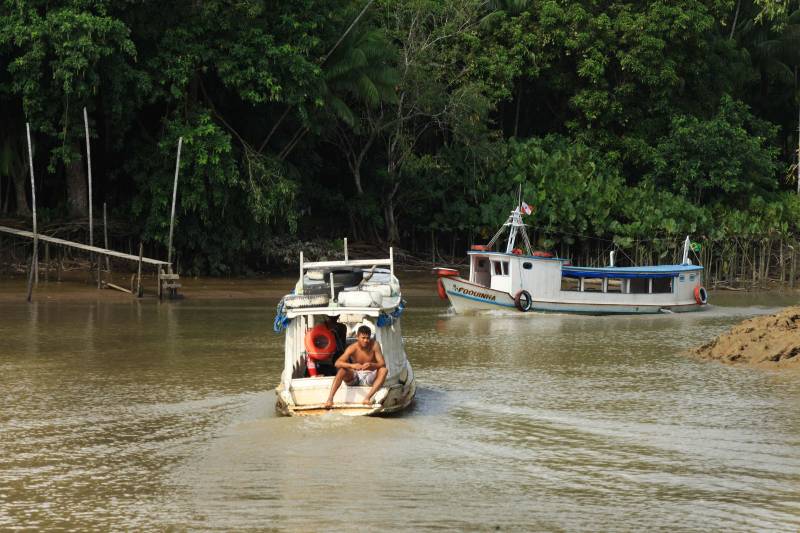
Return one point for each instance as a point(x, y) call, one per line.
point(686, 246)
point(514, 222)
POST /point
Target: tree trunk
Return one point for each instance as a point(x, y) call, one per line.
point(392, 233)
point(23, 208)
point(77, 189)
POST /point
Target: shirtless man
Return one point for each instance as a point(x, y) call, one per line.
point(361, 364)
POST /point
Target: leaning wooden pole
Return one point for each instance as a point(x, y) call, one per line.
point(34, 258)
point(89, 174)
point(172, 214)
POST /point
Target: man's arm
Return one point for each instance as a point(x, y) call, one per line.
point(379, 361)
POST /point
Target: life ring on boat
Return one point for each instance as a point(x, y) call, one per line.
point(700, 295)
point(320, 343)
point(523, 301)
point(440, 289)
point(540, 253)
point(517, 251)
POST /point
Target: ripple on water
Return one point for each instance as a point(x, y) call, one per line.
point(156, 417)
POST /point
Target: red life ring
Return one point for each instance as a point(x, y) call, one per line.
point(320, 343)
point(516, 251)
point(700, 295)
point(539, 253)
point(440, 289)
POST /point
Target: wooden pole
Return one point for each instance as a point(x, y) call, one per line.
point(174, 195)
point(34, 258)
point(105, 238)
point(139, 272)
point(89, 174)
point(47, 262)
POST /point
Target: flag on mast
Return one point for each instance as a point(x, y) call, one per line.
point(526, 208)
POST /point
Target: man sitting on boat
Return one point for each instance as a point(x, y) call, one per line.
point(361, 364)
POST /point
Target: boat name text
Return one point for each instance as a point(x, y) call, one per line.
point(476, 294)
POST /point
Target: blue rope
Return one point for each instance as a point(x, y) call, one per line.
point(281, 321)
point(388, 320)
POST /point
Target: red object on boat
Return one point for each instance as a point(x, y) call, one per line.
point(480, 247)
point(540, 253)
point(516, 251)
point(443, 272)
point(320, 343)
point(440, 289)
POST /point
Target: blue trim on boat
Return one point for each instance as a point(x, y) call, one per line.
point(658, 271)
point(478, 299)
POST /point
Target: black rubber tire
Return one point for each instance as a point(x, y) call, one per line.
point(523, 301)
point(341, 279)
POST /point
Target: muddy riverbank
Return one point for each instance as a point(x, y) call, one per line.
point(771, 341)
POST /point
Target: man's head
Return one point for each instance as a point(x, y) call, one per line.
point(363, 335)
point(331, 321)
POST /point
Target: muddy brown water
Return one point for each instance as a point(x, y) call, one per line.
point(125, 415)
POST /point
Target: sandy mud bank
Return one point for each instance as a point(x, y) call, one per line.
point(771, 341)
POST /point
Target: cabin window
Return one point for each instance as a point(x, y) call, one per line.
point(615, 285)
point(481, 263)
point(570, 284)
point(662, 285)
point(639, 286)
point(592, 284)
point(527, 266)
point(500, 268)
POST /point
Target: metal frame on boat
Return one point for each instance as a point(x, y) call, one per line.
point(538, 281)
point(359, 293)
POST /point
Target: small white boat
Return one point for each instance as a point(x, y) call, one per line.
point(358, 293)
point(538, 281)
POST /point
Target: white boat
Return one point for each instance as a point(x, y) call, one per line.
point(537, 281)
point(360, 293)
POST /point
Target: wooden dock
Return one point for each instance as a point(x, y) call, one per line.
point(94, 249)
point(168, 283)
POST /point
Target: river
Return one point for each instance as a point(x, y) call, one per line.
point(135, 415)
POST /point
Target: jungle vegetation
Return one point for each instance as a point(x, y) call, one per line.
point(627, 124)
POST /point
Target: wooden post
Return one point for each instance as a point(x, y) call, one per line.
point(58, 265)
point(105, 239)
point(345, 249)
point(139, 272)
point(47, 262)
point(34, 258)
point(89, 175)
point(158, 276)
point(794, 264)
point(172, 215)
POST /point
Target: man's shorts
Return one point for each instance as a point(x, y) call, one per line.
point(363, 377)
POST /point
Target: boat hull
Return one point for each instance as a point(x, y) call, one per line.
point(389, 400)
point(466, 297)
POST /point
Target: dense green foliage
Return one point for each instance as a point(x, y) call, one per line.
point(413, 121)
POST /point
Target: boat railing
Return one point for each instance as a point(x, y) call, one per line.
point(348, 262)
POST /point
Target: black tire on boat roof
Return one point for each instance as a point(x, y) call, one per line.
point(341, 279)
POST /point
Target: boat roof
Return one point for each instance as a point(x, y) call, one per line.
point(655, 271)
point(537, 257)
point(328, 310)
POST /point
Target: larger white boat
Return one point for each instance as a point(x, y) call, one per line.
point(353, 293)
point(537, 281)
